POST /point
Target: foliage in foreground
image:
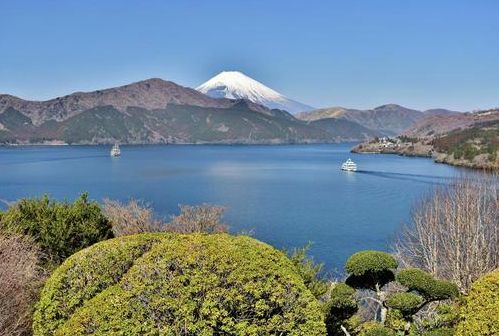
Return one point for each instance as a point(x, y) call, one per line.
point(309, 271)
point(59, 228)
point(480, 315)
point(374, 271)
point(178, 284)
point(20, 279)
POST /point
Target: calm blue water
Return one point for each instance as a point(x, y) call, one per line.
point(285, 195)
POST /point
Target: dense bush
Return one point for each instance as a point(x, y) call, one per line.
point(481, 311)
point(370, 269)
point(396, 321)
point(376, 329)
point(309, 271)
point(20, 280)
point(60, 228)
point(340, 306)
point(424, 283)
point(175, 284)
point(407, 303)
point(364, 262)
point(343, 297)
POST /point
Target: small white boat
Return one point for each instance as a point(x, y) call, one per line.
point(349, 165)
point(115, 151)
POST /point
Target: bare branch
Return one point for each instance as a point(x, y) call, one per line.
point(454, 233)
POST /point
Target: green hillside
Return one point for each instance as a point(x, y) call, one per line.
point(178, 124)
point(480, 142)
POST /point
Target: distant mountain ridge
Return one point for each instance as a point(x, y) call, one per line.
point(433, 125)
point(159, 111)
point(236, 85)
point(151, 111)
point(389, 119)
point(149, 94)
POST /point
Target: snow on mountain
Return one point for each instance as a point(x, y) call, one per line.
point(236, 85)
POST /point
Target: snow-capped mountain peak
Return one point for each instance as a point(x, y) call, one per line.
point(236, 85)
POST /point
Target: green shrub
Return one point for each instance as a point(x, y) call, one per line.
point(364, 262)
point(407, 303)
point(309, 271)
point(173, 284)
point(343, 297)
point(340, 307)
point(414, 278)
point(60, 228)
point(441, 290)
point(370, 269)
point(376, 329)
point(396, 320)
point(440, 332)
point(426, 285)
point(480, 313)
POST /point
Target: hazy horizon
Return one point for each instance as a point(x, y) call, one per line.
point(359, 55)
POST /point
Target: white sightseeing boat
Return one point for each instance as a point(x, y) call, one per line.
point(115, 151)
point(349, 165)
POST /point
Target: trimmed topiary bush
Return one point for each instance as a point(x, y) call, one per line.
point(343, 297)
point(364, 262)
point(370, 270)
point(442, 290)
point(481, 310)
point(376, 329)
point(173, 284)
point(340, 307)
point(374, 271)
point(407, 303)
point(59, 228)
point(424, 283)
point(414, 278)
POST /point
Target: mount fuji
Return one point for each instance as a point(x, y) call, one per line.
point(236, 85)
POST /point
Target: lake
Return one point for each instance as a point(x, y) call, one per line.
point(285, 195)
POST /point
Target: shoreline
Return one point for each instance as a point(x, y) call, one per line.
point(437, 157)
point(265, 143)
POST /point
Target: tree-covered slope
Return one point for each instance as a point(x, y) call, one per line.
point(476, 145)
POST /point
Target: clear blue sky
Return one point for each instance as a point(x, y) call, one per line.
point(418, 53)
